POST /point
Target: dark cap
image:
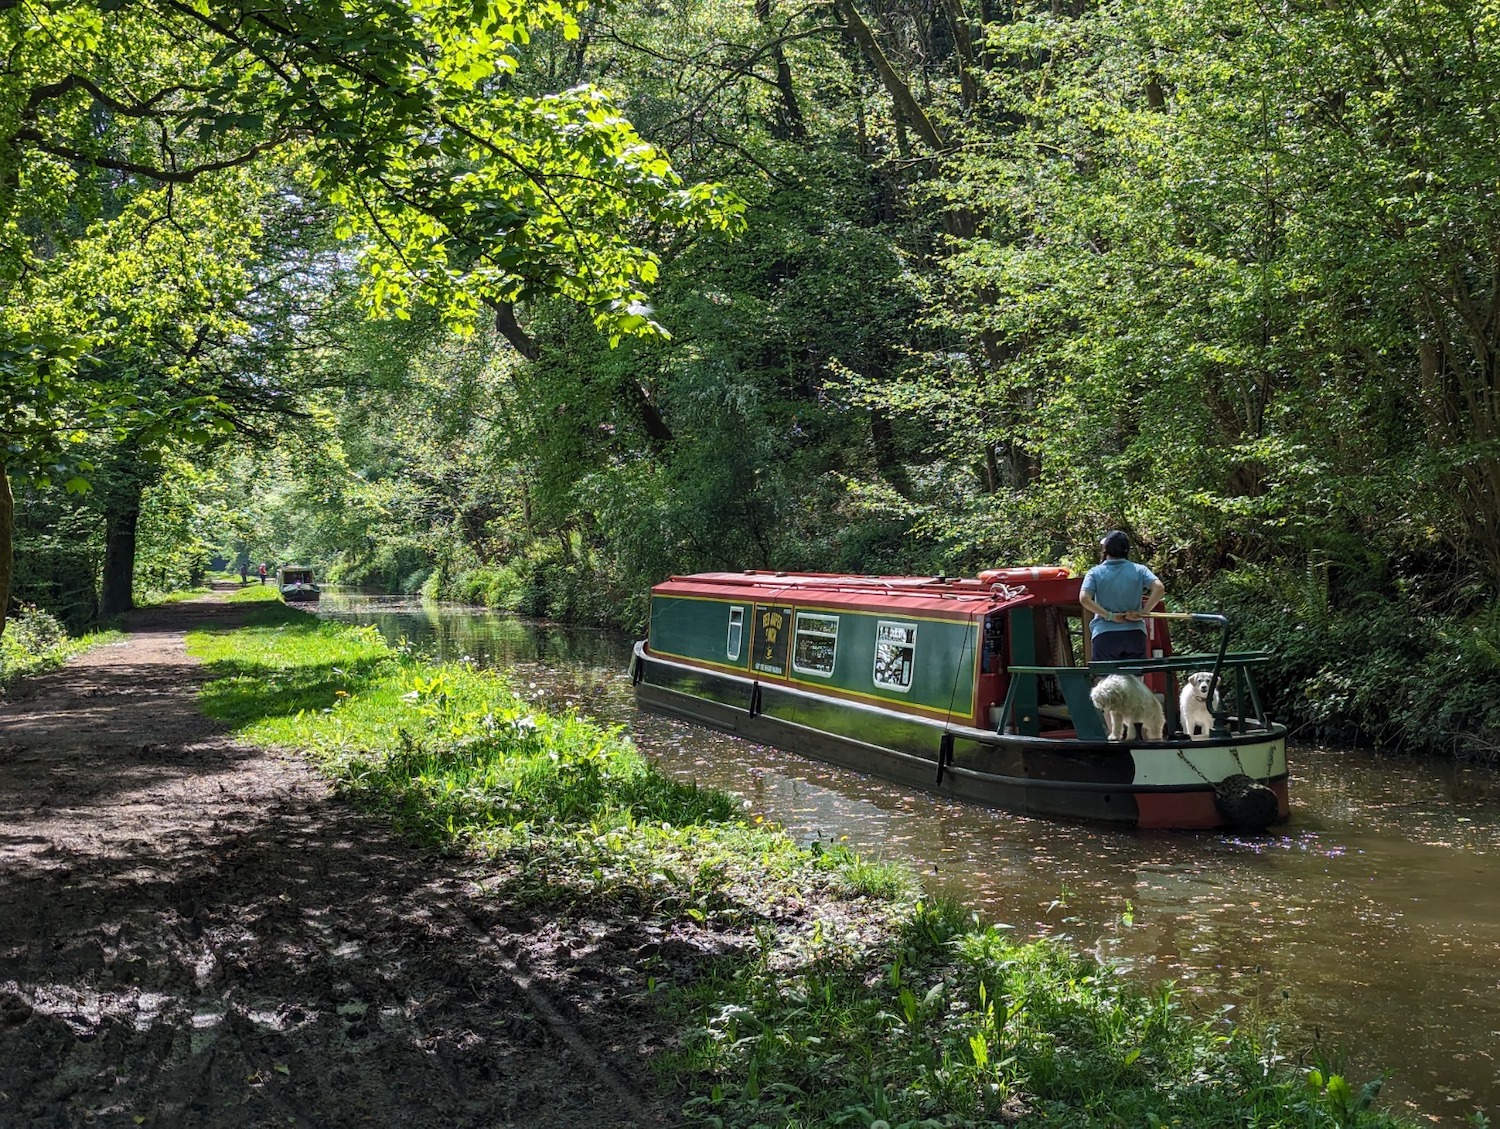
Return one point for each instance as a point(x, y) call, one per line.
point(1115, 544)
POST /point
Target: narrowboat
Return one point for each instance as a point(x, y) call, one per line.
point(296, 584)
point(973, 688)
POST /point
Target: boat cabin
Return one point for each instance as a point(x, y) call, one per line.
point(978, 688)
point(296, 583)
point(1008, 650)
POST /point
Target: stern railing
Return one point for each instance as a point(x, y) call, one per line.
point(1075, 682)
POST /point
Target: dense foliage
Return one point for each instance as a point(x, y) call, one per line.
point(1220, 275)
point(147, 150)
point(37, 641)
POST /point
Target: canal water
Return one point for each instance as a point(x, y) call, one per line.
point(1366, 931)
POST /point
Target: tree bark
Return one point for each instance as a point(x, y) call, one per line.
point(963, 43)
point(117, 586)
point(907, 106)
point(510, 329)
point(788, 125)
point(7, 541)
point(658, 433)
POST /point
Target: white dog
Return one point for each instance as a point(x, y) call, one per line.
point(1124, 700)
point(1193, 706)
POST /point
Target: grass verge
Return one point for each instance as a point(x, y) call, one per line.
point(254, 593)
point(839, 996)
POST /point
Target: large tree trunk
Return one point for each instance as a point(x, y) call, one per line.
point(908, 109)
point(787, 124)
point(7, 541)
point(117, 587)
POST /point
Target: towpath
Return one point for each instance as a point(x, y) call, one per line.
point(197, 933)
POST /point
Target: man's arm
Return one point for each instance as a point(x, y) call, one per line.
point(1094, 607)
point(1153, 597)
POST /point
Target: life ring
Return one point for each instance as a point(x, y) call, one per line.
point(1020, 575)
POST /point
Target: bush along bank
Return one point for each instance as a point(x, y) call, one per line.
point(35, 641)
point(837, 996)
point(1384, 672)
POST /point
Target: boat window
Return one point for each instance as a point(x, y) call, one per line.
point(736, 632)
point(895, 654)
point(816, 642)
point(993, 656)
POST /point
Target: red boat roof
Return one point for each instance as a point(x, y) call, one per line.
point(941, 594)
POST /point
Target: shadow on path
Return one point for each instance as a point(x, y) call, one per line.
point(195, 933)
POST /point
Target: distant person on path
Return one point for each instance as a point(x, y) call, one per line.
point(244, 572)
point(1119, 592)
point(262, 574)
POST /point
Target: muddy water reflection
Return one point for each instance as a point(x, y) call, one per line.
point(1368, 927)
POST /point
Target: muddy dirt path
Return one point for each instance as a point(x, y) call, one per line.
point(196, 933)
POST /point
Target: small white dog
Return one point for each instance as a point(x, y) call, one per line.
point(1193, 706)
point(1124, 700)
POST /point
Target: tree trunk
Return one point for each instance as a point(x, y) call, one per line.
point(887, 461)
point(907, 106)
point(963, 44)
point(1460, 367)
point(788, 124)
point(659, 435)
point(510, 329)
point(117, 587)
point(7, 540)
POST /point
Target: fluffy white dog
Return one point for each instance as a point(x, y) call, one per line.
point(1193, 706)
point(1124, 700)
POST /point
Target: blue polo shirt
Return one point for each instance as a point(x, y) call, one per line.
point(1118, 584)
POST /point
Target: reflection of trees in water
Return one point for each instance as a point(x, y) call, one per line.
point(489, 638)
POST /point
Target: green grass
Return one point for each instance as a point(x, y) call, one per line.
point(961, 1025)
point(254, 593)
point(154, 599)
point(849, 1001)
point(453, 753)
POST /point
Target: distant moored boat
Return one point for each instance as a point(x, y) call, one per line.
point(296, 584)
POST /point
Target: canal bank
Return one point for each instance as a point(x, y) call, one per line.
point(1365, 928)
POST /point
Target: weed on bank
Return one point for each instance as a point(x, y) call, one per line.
point(849, 1001)
point(34, 641)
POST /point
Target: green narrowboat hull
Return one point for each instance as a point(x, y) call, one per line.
point(1221, 782)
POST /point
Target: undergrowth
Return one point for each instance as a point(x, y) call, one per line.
point(1382, 673)
point(35, 641)
point(956, 1024)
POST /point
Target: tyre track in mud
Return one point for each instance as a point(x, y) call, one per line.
point(197, 933)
